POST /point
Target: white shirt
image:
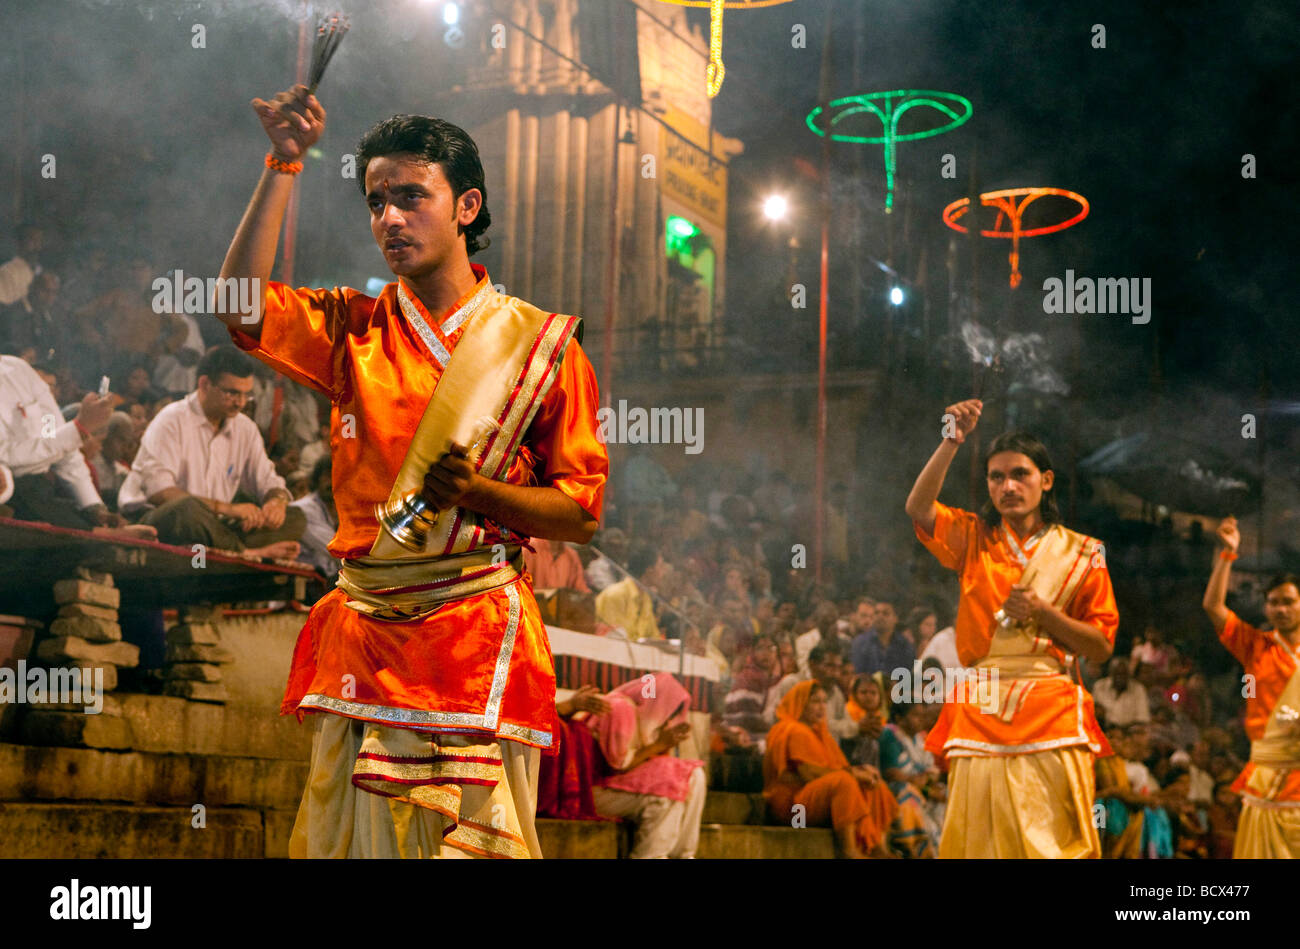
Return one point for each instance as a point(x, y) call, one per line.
point(1122, 709)
point(1139, 778)
point(16, 277)
point(180, 449)
point(943, 646)
point(321, 527)
point(34, 438)
point(170, 375)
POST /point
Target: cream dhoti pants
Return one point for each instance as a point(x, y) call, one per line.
point(664, 827)
point(1019, 806)
point(338, 819)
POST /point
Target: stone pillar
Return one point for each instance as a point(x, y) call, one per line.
point(194, 658)
point(79, 659)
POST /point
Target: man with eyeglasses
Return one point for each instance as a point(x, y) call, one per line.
point(198, 455)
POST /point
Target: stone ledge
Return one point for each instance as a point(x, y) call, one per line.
point(740, 842)
point(30, 773)
point(109, 831)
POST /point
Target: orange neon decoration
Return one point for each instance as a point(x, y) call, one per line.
point(715, 71)
point(1012, 212)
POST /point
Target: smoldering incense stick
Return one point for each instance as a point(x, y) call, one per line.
point(329, 34)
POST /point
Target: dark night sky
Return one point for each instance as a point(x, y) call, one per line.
point(1151, 129)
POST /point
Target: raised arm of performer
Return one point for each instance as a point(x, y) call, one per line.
point(1022, 603)
point(293, 121)
point(1215, 602)
point(924, 494)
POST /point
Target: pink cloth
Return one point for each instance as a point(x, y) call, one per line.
point(638, 710)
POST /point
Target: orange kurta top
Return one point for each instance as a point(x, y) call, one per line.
point(1040, 707)
point(1272, 663)
point(476, 665)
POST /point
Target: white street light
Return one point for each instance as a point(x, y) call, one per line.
point(775, 207)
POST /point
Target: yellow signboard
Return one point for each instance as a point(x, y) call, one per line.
point(686, 173)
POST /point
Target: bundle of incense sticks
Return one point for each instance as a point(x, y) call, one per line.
point(990, 367)
point(329, 34)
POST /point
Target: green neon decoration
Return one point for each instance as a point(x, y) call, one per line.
point(889, 108)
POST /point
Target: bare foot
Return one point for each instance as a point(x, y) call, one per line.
point(129, 532)
point(281, 550)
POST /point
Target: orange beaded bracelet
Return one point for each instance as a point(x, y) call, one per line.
point(1227, 555)
point(285, 167)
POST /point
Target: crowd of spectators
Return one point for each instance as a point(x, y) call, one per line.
point(121, 417)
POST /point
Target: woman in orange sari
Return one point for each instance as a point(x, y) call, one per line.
point(805, 766)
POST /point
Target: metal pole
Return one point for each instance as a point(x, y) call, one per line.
point(819, 484)
point(611, 296)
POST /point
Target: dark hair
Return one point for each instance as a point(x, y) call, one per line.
point(916, 616)
point(1281, 580)
point(641, 558)
point(224, 361)
point(821, 652)
point(1025, 444)
point(324, 466)
point(438, 143)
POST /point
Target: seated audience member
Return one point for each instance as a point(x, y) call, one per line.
point(565, 779)
point(1123, 806)
point(112, 463)
point(865, 706)
point(825, 630)
point(1190, 822)
point(914, 780)
point(182, 348)
point(1162, 658)
point(733, 636)
point(32, 328)
point(826, 666)
point(882, 648)
point(1223, 816)
point(919, 628)
point(50, 479)
point(804, 768)
point(605, 569)
point(642, 779)
point(555, 565)
point(197, 454)
point(626, 604)
point(943, 647)
point(1157, 832)
point(790, 677)
point(318, 508)
point(18, 272)
point(751, 680)
point(1121, 697)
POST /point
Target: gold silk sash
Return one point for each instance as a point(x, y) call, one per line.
point(1278, 751)
point(1054, 572)
point(405, 590)
point(504, 364)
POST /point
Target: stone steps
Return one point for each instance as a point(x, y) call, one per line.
point(30, 773)
point(82, 802)
point(127, 831)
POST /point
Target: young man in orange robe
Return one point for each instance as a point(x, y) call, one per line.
point(1019, 735)
point(1269, 785)
point(432, 669)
